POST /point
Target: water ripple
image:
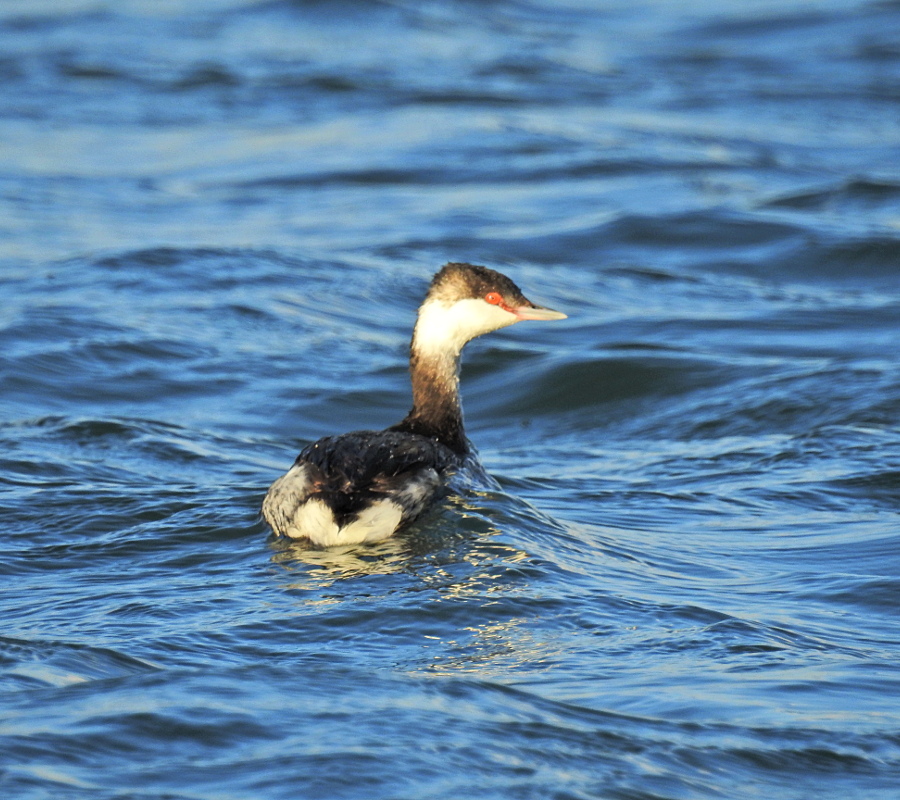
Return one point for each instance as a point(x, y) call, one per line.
point(677, 577)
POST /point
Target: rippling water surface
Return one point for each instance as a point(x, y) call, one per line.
point(216, 221)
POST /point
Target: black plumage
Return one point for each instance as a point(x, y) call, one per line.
point(353, 470)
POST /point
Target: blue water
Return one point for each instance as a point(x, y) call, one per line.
point(217, 218)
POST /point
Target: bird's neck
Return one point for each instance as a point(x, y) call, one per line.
point(434, 372)
point(436, 410)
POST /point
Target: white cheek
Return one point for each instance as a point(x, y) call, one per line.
point(441, 328)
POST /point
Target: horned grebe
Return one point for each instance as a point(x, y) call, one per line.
point(361, 487)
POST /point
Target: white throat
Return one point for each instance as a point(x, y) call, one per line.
point(443, 329)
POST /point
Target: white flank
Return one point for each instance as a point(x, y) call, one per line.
point(314, 521)
point(283, 499)
point(291, 512)
point(374, 523)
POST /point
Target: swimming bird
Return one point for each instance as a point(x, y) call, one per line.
point(362, 486)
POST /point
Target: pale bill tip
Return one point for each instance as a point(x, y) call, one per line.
point(538, 312)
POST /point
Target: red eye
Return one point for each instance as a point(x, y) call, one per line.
point(494, 298)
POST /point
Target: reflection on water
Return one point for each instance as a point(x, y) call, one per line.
point(497, 648)
point(457, 561)
point(311, 569)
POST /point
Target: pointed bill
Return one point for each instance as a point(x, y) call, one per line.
point(537, 312)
